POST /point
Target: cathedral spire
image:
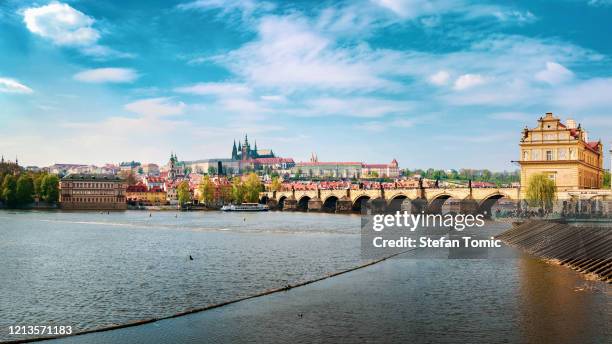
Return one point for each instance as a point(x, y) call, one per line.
point(234, 151)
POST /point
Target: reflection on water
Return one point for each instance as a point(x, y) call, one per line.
point(557, 307)
point(90, 270)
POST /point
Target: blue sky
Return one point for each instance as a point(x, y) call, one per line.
point(443, 84)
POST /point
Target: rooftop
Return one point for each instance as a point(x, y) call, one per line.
point(90, 176)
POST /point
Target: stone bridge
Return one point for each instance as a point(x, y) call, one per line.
point(428, 199)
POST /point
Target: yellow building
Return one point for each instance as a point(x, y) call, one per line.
point(139, 194)
point(563, 153)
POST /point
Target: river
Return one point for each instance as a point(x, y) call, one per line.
point(92, 269)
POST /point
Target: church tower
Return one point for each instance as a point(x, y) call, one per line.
point(234, 151)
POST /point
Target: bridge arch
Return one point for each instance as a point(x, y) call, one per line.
point(436, 203)
point(358, 201)
point(281, 202)
point(486, 204)
point(264, 199)
point(330, 203)
point(395, 203)
point(303, 203)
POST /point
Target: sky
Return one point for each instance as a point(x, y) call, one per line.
point(442, 83)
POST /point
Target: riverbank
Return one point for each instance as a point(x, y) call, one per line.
point(399, 301)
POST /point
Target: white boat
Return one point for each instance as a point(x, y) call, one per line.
point(245, 207)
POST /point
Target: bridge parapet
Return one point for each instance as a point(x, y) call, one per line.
point(343, 197)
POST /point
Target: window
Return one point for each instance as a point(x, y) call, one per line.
point(525, 155)
point(549, 155)
point(561, 154)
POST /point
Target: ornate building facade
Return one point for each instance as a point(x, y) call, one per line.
point(562, 152)
point(93, 192)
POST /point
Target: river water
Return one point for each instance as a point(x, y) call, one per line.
point(91, 269)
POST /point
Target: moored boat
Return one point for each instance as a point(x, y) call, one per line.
point(245, 207)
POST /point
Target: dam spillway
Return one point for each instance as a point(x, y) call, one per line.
point(586, 249)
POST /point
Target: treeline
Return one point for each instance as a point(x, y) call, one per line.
point(466, 174)
point(241, 189)
point(19, 188)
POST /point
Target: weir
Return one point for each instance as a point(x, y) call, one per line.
point(587, 250)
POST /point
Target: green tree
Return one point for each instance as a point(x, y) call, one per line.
point(253, 187)
point(276, 184)
point(541, 191)
point(238, 190)
point(184, 196)
point(212, 170)
point(24, 190)
point(129, 177)
point(50, 188)
point(606, 181)
point(38, 181)
point(225, 193)
point(207, 190)
point(9, 190)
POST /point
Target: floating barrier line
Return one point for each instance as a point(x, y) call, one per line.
point(209, 307)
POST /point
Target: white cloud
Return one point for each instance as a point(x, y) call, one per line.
point(464, 10)
point(228, 7)
point(554, 74)
point(589, 94)
point(512, 116)
point(102, 75)
point(353, 107)
point(515, 16)
point(466, 81)
point(61, 24)
point(289, 54)
point(103, 52)
point(65, 26)
point(599, 2)
point(215, 88)
point(440, 78)
point(8, 85)
point(273, 98)
point(156, 107)
point(379, 126)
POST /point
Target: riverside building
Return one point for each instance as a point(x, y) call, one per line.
point(93, 192)
point(562, 152)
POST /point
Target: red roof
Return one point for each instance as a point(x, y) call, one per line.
point(153, 179)
point(328, 163)
point(574, 132)
point(136, 188)
point(376, 165)
point(271, 160)
point(594, 146)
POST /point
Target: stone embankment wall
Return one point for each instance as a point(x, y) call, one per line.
point(585, 249)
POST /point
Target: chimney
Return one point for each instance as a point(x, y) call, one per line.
point(585, 136)
point(571, 124)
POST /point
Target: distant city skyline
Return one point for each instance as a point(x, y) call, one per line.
point(441, 84)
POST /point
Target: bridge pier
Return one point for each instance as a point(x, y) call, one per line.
point(468, 206)
point(272, 204)
point(344, 205)
point(315, 204)
point(377, 205)
point(290, 204)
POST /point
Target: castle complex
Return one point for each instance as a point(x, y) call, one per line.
point(244, 151)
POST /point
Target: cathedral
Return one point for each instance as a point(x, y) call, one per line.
point(245, 152)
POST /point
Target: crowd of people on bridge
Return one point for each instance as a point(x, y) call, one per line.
point(366, 185)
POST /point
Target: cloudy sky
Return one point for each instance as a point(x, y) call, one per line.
point(443, 84)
